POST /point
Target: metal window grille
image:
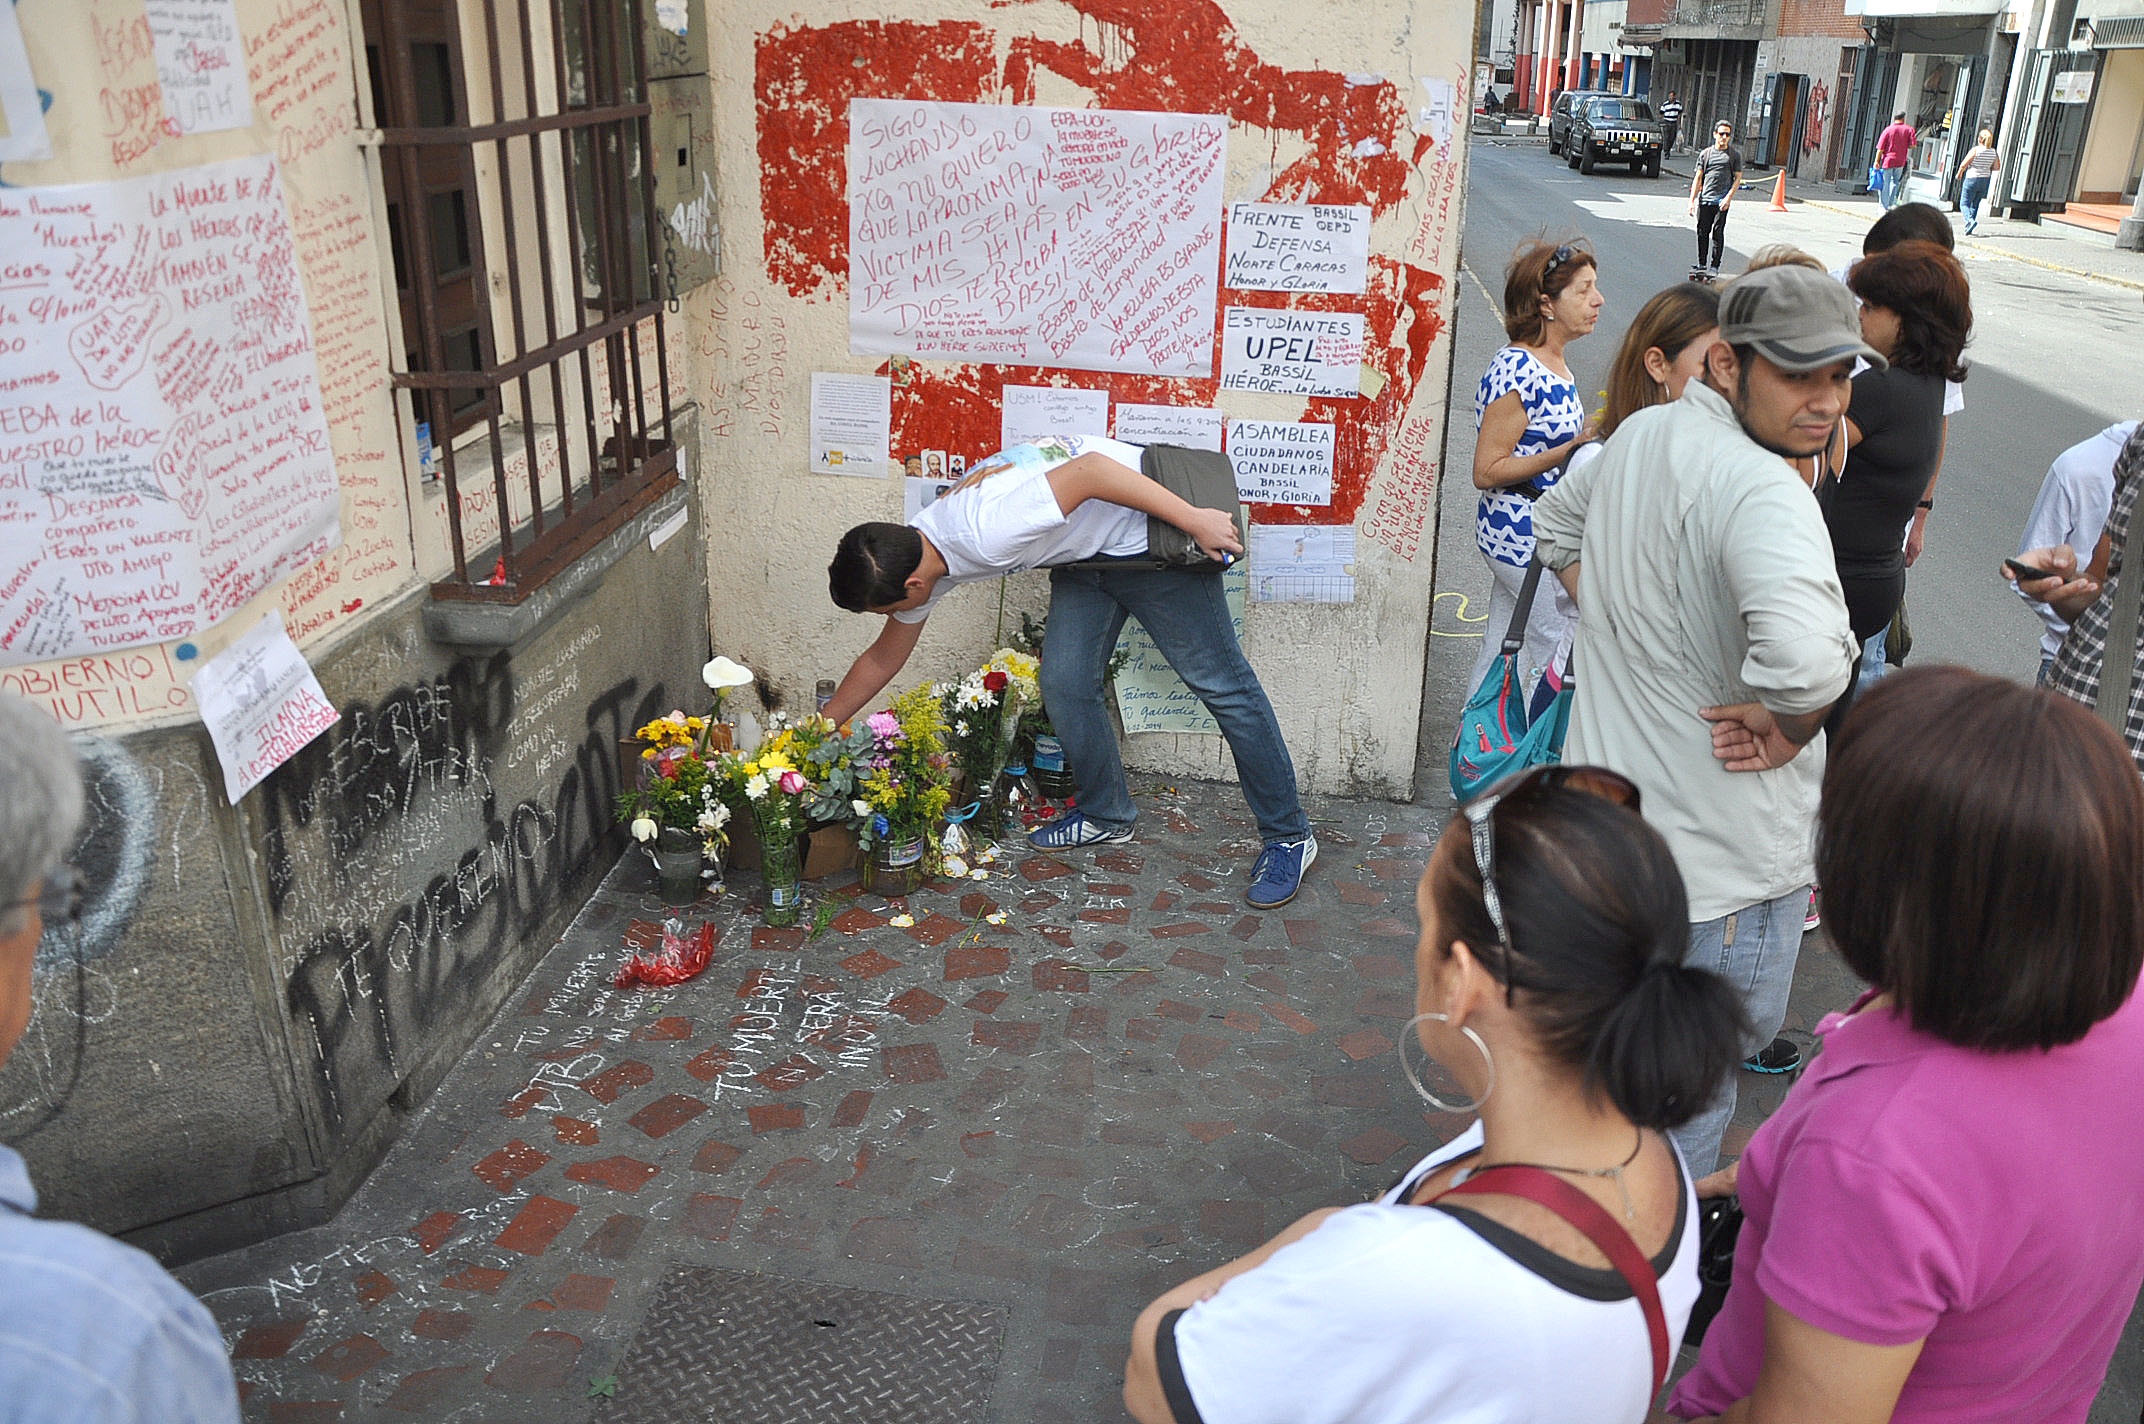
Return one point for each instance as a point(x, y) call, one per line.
point(544, 206)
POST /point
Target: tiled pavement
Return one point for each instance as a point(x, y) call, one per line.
point(1131, 1079)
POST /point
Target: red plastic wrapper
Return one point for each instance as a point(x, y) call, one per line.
point(682, 954)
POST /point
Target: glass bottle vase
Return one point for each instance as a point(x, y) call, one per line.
point(782, 868)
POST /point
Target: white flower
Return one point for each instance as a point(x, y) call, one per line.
point(722, 674)
point(756, 788)
point(978, 875)
point(955, 867)
point(644, 828)
point(960, 728)
point(861, 808)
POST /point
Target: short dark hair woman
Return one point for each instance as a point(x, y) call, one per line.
point(1944, 1216)
point(1551, 986)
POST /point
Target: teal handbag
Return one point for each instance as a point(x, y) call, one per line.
point(1495, 736)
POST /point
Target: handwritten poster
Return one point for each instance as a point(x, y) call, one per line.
point(163, 452)
point(1194, 427)
point(1291, 247)
point(1299, 352)
point(1300, 563)
point(1032, 412)
point(1150, 696)
point(1087, 238)
point(20, 106)
point(201, 63)
point(851, 424)
point(260, 703)
point(1280, 462)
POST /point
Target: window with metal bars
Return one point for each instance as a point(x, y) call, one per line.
point(514, 153)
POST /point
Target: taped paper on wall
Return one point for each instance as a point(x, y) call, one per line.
point(260, 703)
point(1285, 247)
point(1082, 238)
point(21, 105)
point(1150, 696)
point(166, 455)
point(1195, 427)
point(851, 424)
point(1440, 102)
point(918, 493)
point(1034, 412)
point(1302, 564)
point(1294, 352)
point(1280, 462)
point(201, 63)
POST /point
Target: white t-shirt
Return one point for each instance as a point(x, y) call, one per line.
point(1397, 1314)
point(1006, 519)
point(2072, 509)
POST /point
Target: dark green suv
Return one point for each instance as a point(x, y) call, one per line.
point(1615, 129)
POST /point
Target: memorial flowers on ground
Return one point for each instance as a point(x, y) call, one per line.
point(904, 777)
point(678, 789)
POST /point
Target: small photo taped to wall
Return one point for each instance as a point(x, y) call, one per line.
point(934, 464)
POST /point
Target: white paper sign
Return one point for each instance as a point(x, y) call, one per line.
point(260, 703)
point(201, 62)
point(1150, 696)
point(1286, 247)
point(851, 424)
point(1297, 352)
point(1295, 563)
point(1195, 427)
point(1084, 238)
point(163, 452)
point(24, 111)
point(1032, 412)
point(919, 493)
point(1282, 463)
point(1440, 101)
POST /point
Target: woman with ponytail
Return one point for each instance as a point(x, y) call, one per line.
point(1551, 990)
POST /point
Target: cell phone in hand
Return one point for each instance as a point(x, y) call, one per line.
point(2026, 571)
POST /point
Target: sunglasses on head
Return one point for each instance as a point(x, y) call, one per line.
point(1610, 786)
point(1557, 258)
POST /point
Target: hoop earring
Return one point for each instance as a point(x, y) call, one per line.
point(1414, 1080)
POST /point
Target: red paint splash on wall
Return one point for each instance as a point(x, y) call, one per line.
point(1173, 55)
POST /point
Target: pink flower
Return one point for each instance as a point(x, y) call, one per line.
point(791, 782)
point(884, 726)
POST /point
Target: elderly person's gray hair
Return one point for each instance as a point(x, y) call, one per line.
point(40, 804)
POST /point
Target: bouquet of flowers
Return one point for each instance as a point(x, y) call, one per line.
point(904, 777)
point(679, 788)
point(982, 715)
point(771, 787)
point(829, 756)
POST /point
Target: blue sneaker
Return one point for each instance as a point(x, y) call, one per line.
point(1279, 872)
point(1073, 830)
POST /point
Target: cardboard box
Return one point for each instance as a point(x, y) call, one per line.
point(828, 850)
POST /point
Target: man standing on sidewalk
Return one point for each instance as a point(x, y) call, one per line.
point(1893, 146)
point(1713, 637)
point(1670, 113)
point(1712, 189)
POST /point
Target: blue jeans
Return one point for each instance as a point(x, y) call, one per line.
point(1874, 665)
point(1894, 185)
point(1754, 949)
point(1187, 617)
point(1971, 195)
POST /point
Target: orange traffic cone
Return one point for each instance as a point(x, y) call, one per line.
point(1779, 194)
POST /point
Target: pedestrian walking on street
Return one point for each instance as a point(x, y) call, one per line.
point(1713, 636)
point(1670, 111)
point(1894, 147)
point(1974, 174)
point(1942, 1218)
point(1552, 990)
point(1712, 192)
point(2072, 509)
point(91, 1331)
point(1527, 419)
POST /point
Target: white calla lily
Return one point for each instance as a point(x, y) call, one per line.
point(721, 674)
point(644, 828)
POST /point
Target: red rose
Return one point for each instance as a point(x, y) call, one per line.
point(995, 680)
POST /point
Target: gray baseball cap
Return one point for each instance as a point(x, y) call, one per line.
point(1797, 317)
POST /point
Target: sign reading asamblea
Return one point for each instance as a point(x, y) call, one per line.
point(163, 452)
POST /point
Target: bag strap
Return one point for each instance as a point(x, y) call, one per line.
point(1515, 632)
point(1596, 1225)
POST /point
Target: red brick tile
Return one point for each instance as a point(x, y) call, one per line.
point(374, 1287)
point(573, 1132)
point(766, 940)
point(869, 964)
point(1012, 1037)
point(1039, 900)
point(1164, 900)
point(424, 1391)
point(318, 1411)
point(442, 1324)
point(1211, 907)
point(1304, 934)
point(917, 1005)
point(1198, 961)
point(545, 1363)
point(1354, 892)
point(615, 1082)
point(1242, 1022)
point(757, 980)
point(1114, 950)
point(715, 1156)
point(1056, 935)
point(1282, 1014)
point(1120, 862)
point(1209, 1131)
point(536, 1225)
point(505, 1168)
point(1385, 1004)
point(1241, 1223)
point(1267, 980)
point(643, 934)
point(1387, 927)
point(483, 1280)
point(1181, 1012)
point(1382, 966)
point(912, 1063)
point(1143, 1030)
point(934, 929)
point(711, 1217)
point(852, 1109)
point(790, 1173)
point(1038, 868)
point(1119, 916)
point(519, 1104)
point(1055, 976)
point(775, 1117)
point(667, 1114)
point(975, 961)
point(1376, 1145)
point(577, 1292)
point(620, 1174)
point(709, 1063)
point(345, 1360)
point(1195, 1050)
point(1086, 1022)
point(1411, 840)
point(1365, 1043)
point(271, 1341)
point(667, 1030)
point(986, 1001)
point(614, 1239)
point(855, 920)
point(1246, 927)
point(1394, 869)
point(432, 1232)
point(1192, 880)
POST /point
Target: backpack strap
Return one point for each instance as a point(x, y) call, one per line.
point(1596, 1225)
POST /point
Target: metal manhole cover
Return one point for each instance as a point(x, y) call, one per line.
point(726, 1347)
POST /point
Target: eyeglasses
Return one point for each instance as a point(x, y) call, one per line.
point(1557, 258)
point(1610, 786)
point(59, 899)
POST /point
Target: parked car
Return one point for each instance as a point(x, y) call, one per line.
point(1615, 128)
point(1564, 110)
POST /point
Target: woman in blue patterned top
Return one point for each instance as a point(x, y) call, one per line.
point(1527, 418)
